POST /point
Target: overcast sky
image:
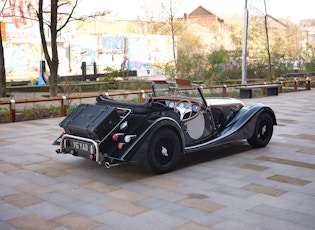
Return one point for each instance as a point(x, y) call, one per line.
point(287, 9)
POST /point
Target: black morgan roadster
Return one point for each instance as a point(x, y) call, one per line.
point(171, 123)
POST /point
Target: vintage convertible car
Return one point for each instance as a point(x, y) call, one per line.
point(162, 129)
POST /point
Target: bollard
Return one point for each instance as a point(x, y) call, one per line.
point(83, 68)
point(12, 111)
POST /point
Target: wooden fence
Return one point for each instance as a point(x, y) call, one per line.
point(294, 85)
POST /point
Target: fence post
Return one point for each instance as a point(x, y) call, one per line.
point(224, 91)
point(142, 96)
point(308, 84)
point(281, 87)
point(12, 111)
point(295, 85)
point(64, 106)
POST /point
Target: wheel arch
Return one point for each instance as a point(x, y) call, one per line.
point(272, 114)
point(166, 123)
point(263, 130)
point(171, 126)
point(243, 124)
point(253, 114)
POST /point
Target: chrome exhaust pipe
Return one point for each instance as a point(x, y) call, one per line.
point(109, 165)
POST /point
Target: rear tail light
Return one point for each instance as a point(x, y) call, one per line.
point(126, 139)
point(120, 145)
point(116, 136)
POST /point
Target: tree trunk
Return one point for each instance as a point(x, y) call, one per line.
point(3, 91)
point(52, 61)
point(53, 79)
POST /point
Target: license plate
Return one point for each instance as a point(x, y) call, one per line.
point(81, 146)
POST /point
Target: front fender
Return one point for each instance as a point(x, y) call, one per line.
point(242, 126)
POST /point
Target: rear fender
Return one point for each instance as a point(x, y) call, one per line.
point(138, 152)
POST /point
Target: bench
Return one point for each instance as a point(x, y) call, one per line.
point(269, 90)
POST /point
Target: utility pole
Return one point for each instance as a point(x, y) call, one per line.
point(267, 38)
point(244, 68)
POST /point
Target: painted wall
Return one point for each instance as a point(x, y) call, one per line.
point(23, 52)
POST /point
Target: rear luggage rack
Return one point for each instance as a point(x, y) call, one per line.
point(122, 112)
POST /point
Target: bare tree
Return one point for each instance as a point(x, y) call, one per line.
point(150, 21)
point(191, 56)
point(56, 22)
point(3, 91)
point(52, 16)
point(174, 23)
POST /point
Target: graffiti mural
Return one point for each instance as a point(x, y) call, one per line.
point(18, 13)
point(83, 49)
point(161, 51)
point(112, 56)
point(23, 52)
point(21, 60)
point(138, 53)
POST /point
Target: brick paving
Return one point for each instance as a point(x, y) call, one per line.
point(229, 187)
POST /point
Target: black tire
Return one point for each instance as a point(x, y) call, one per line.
point(263, 131)
point(164, 151)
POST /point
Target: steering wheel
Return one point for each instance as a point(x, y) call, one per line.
point(158, 104)
point(183, 110)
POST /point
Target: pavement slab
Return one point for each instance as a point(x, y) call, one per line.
point(228, 187)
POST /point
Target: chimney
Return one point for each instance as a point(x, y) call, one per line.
point(185, 16)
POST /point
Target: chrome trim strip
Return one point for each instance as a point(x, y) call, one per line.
point(96, 145)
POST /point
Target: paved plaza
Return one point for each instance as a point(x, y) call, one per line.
point(230, 187)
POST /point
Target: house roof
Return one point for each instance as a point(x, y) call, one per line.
point(277, 20)
point(203, 11)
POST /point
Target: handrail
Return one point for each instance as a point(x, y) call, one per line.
point(141, 93)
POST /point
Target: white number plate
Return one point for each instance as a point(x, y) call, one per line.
point(80, 146)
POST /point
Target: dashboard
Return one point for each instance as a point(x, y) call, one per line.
point(183, 105)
